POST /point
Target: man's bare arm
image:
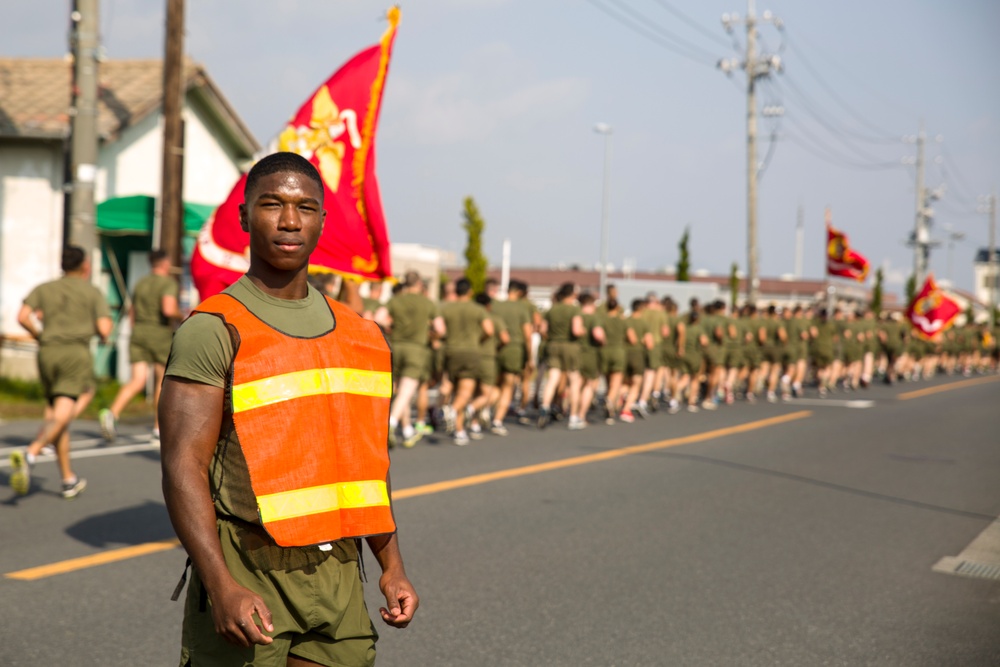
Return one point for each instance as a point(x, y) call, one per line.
point(190, 416)
point(401, 599)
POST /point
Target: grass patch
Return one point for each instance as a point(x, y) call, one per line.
point(24, 399)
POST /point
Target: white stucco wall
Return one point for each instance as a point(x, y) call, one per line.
point(31, 220)
point(132, 165)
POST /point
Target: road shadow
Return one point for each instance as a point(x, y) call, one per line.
point(143, 523)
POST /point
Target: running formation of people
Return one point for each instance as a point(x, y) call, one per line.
point(585, 360)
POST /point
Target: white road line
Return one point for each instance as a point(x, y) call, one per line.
point(88, 453)
point(821, 402)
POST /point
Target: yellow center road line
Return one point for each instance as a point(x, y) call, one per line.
point(115, 555)
point(90, 561)
point(946, 387)
point(474, 480)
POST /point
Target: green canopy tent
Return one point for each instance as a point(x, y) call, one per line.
point(125, 225)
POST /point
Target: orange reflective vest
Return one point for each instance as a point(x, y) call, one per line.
point(312, 415)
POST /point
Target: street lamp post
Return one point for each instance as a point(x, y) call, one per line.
point(605, 129)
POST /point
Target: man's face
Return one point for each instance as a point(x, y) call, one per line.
point(284, 216)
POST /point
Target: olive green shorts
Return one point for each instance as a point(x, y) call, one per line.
point(463, 364)
point(635, 361)
point(65, 370)
point(410, 360)
point(510, 358)
point(316, 600)
point(612, 360)
point(589, 364)
point(488, 371)
point(654, 358)
point(150, 345)
point(691, 363)
point(564, 356)
point(715, 355)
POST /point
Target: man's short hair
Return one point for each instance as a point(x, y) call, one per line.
point(411, 279)
point(483, 299)
point(157, 256)
point(586, 299)
point(276, 163)
point(517, 286)
point(72, 258)
point(462, 287)
point(638, 304)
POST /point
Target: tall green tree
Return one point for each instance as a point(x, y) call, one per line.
point(684, 262)
point(876, 304)
point(911, 288)
point(734, 284)
point(476, 263)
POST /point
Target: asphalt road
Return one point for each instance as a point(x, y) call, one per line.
point(790, 534)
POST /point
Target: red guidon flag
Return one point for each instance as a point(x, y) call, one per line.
point(840, 259)
point(931, 313)
point(335, 130)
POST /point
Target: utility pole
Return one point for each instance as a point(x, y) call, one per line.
point(989, 206)
point(994, 276)
point(921, 235)
point(81, 224)
point(800, 233)
point(755, 67)
point(606, 130)
point(171, 193)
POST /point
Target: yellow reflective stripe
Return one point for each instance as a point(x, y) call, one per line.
point(266, 391)
point(326, 498)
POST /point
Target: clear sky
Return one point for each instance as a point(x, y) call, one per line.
point(498, 98)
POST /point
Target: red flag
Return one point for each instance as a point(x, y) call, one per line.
point(931, 313)
point(335, 131)
point(840, 259)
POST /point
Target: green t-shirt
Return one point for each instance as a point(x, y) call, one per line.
point(147, 302)
point(515, 314)
point(692, 335)
point(70, 307)
point(823, 342)
point(640, 328)
point(491, 344)
point(202, 350)
point(411, 317)
point(614, 327)
point(655, 319)
point(560, 319)
point(590, 320)
point(463, 320)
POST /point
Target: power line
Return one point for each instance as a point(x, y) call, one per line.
point(844, 133)
point(653, 32)
point(888, 136)
point(825, 152)
point(691, 22)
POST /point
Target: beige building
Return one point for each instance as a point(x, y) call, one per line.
point(34, 128)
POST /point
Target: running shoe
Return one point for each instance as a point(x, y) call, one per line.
point(498, 429)
point(576, 424)
point(461, 438)
point(109, 425)
point(393, 438)
point(73, 489)
point(523, 418)
point(476, 431)
point(642, 410)
point(424, 429)
point(412, 439)
point(626, 416)
point(675, 406)
point(20, 476)
point(543, 418)
point(692, 408)
point(772, 397)
point(709, 404)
